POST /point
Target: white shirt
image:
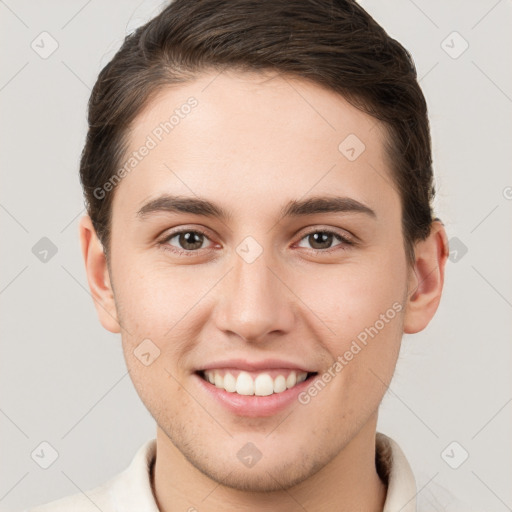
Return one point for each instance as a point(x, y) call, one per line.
point(130, 490)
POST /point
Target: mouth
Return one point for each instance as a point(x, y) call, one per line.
point(255, 383)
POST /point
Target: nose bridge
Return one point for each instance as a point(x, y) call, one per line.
point(255, 302)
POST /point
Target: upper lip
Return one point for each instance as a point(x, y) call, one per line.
point(266, 364)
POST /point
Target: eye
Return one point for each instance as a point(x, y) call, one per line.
point(188, 241)
point(321, 240)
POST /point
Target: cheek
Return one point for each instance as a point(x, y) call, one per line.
point(154, 299)
point(156, 315)
point(158, 387)
point(162, 316)
point(350, 297)
point(362, 305)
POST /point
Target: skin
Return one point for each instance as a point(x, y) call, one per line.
point(253, 143)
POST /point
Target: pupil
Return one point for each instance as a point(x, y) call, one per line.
point(187, 240)
point(321, 238)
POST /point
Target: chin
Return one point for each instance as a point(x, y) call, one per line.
point(262, 480)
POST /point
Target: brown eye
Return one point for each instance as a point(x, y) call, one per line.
point(187, 240)
point(322, 240)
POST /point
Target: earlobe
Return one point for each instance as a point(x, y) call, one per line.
point(426, 279)
point(98, 275)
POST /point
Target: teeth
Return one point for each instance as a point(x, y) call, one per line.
point(244, 384)
point(262, 385)
point(301, 377)
point(229, 383)
point(279, 384)
point(291, 380)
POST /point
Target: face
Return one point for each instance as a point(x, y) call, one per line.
point(275, 290)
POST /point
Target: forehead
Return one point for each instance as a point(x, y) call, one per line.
point(252, 138)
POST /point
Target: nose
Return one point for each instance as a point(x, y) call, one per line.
point(256, 302)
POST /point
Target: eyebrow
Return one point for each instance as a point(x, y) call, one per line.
point(295, 208)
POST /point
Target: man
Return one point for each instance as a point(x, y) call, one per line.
point(258, 181)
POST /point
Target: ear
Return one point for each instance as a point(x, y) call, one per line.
point(98, 276)
point(426, 279)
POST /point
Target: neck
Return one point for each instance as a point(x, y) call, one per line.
point(348, 482)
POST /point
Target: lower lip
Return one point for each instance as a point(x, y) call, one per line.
point(252, 405)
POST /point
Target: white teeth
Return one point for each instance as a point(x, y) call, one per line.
point(229, 383)
point(262, 385)
point(244, 384)
point(279, 384)
point(291, 380)
point(219, 380)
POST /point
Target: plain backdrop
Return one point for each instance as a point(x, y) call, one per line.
point(63, 379)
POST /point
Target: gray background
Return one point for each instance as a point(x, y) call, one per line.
point(63, 378)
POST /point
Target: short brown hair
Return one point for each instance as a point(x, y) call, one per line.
point(333, 43)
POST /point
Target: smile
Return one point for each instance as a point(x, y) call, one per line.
point(262, 383)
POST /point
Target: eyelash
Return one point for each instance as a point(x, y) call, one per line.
point(165, 242)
